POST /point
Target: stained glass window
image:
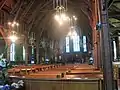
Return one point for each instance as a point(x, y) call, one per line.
point(32, 57)
point(67, 45)
point(23, 53)
point(84, 44)
point(76, 44)
point(12, 52)
point(115, 51)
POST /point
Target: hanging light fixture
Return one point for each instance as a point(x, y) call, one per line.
point(13, 31)
point(13, 37)
point(60, 4)
point(60, 7)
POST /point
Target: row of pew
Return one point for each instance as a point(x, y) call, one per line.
point(25, 70)
point(70, 71)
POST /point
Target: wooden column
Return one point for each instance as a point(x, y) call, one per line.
point(98, 50)
point(94, 33)
point(106, 48)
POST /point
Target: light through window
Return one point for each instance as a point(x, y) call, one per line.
point(115, 51)
point(76, 44)
point(84, 44)
point(23, 53)
point(67, 45)
point(12, 52)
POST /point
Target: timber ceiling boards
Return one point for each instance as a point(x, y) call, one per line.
point(38, 13)
point(114, 16)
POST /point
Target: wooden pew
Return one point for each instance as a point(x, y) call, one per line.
point(27, 69)
point(70, 69)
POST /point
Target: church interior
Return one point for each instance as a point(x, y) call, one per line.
point(59, 44)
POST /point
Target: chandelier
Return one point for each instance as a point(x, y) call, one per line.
point(13, 26)
point(13, 36)
point(60, 7)
point(60, 3)
point(61, 16)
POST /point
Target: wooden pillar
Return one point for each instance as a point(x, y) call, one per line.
point(94, 33)
point(106, 48)
point(95, 48)
point(98, 50)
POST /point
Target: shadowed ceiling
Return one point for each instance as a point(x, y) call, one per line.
point(114, 17)
point(38, 15)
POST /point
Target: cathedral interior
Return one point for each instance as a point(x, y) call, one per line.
point(64, 44)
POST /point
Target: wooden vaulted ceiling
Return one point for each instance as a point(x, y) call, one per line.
point(114, 17)
point(38, 14)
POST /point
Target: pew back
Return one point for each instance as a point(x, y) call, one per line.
point(62, 84)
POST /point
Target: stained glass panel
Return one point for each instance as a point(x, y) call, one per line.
point(12, 52)
point(67, 45)
point(76, 44)
point(84, 44)
point(115, 50)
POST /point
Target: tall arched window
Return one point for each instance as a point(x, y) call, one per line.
point(67, 49)
point(84, 44)
point(76, 43)
point(23, 53)
point(12, 52)
point(115, 49)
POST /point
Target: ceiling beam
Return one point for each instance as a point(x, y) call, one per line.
point(115, 28)
point(38, 9)
point(15, 8)
point(3, 3)
point(115, 8)
point(115, 22)
point(110, 3)
point(116, 1)
point(36, 22)
point(115, 14)
point(29, 5)
point(111, 24)
point(37, 19)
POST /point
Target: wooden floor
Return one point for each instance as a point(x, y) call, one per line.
point(70, 71)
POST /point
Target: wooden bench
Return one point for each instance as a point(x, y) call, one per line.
point(67, 70)
point(21, 70)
